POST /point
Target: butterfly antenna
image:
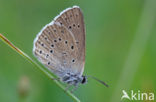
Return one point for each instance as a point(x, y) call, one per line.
point(102, 82)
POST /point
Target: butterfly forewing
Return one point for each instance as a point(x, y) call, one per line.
point(72, 19)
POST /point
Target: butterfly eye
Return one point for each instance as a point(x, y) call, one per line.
point(84, 80)
point(40, 52)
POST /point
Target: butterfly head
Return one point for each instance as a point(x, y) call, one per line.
point(84, 80)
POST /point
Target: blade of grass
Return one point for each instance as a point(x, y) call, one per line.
point(48, 74)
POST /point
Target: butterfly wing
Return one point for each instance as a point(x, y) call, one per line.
point(61, 48)
point(72, 19)
point(55, 47)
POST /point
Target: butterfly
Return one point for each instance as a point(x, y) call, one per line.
point(60, 46)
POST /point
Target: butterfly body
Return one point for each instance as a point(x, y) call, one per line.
point(73, 79)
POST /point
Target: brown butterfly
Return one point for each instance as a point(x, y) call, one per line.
point(60, 46)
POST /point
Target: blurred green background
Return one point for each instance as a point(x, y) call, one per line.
point(120, 49)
